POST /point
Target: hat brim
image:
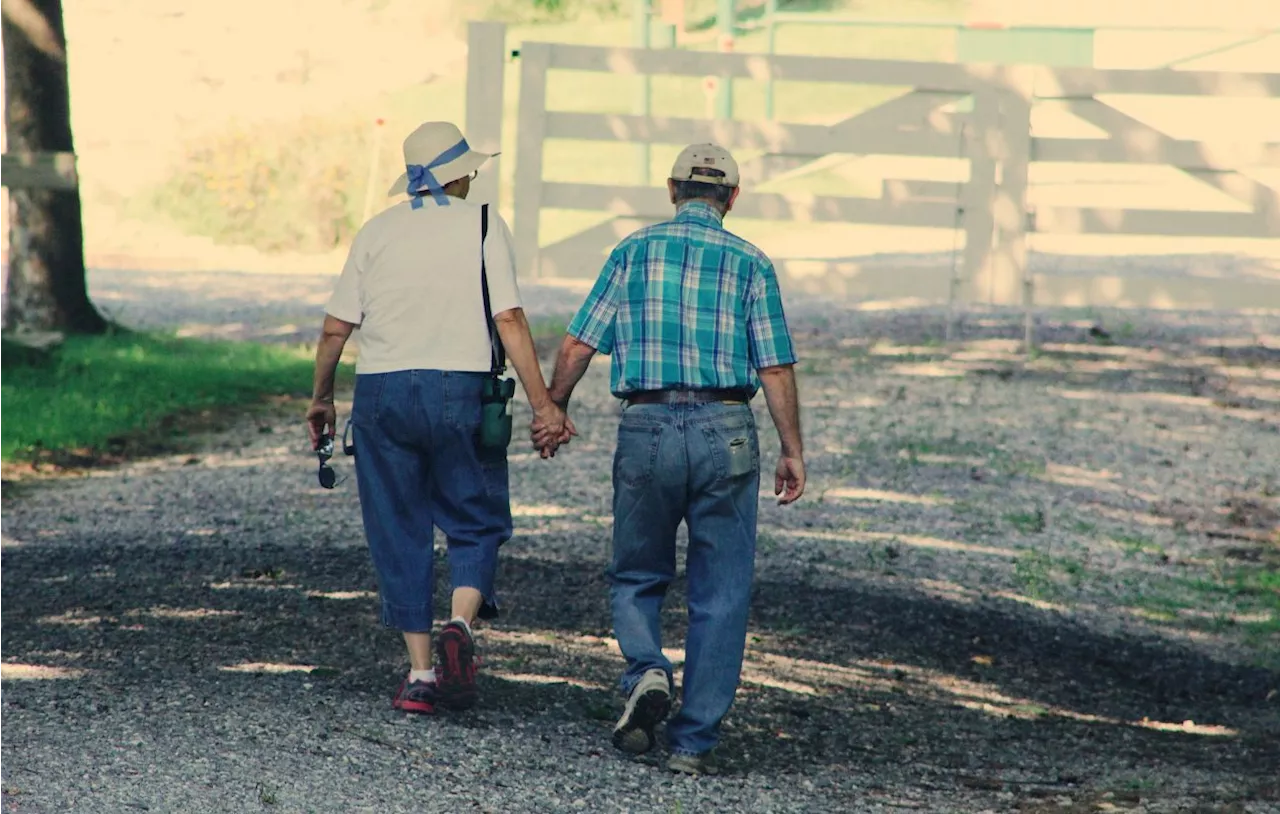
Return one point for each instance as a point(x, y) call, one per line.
point(460, 167)
point(702, 179)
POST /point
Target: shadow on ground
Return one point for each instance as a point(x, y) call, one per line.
point(865, 677)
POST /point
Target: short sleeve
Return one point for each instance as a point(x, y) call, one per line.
point(500, 265)
point(768, 335)
point(345, 302)
point(594, 323)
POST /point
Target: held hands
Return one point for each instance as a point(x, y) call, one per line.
point(322, 419)
point(790, 476)
point(551, 429)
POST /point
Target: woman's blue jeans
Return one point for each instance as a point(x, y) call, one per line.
point(418, 468)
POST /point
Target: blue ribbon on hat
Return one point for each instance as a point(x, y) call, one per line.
point(420, 175)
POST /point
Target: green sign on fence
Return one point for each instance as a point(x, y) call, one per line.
point(1054, 47)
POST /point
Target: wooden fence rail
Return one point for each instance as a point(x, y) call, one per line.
point(39, 170)
point(27, 170)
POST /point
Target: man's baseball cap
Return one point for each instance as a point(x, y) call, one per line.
point(706, 163)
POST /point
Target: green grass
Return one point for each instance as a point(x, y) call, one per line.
point(267, 795)
point(1030, 522)
point(94, 391)
point(952, 446)
point(1135, 545)
point(1041, 576)
point(766, 542)
point(1247, 587)
point(1243, 591)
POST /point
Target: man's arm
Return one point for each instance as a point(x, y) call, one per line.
point(773, 355)
point(513, 328)
point(779, 383)
point(322, 415)
point(571, 365)
point(784, 406)
point(592, 329)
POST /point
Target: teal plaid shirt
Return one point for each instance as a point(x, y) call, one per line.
point(686, 304)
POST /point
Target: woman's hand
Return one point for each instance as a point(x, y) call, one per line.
point(321, 415)
point(551, 429)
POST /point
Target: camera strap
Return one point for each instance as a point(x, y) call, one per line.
point(497, 353)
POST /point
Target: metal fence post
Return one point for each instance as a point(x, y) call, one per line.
point(640, 39)
point(771, 33)
point(375, 170)
point(725, 21)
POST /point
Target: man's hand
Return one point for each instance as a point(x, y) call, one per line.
point(790, 476)
point(779, 384)
point(321, 416)
point(551, 429)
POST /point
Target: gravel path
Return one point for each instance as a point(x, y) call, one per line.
point(1015, 585)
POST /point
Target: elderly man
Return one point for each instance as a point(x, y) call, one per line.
point(414, 283)
point(693, 318)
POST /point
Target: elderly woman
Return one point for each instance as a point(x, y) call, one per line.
point(419, 282)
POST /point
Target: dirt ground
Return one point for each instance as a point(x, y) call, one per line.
point(1040, 584)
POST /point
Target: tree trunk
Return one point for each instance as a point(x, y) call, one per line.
point(45, 289)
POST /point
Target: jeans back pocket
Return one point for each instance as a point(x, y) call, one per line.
point(637, 456)
point(735, 450)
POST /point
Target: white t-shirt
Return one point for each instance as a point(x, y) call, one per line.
point(412, 284)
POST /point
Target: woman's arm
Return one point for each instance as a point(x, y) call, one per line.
point(322, 415)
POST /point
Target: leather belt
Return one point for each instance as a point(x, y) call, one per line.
point(704, 396)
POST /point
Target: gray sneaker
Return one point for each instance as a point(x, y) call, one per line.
point(647, 706)
point(704, 763)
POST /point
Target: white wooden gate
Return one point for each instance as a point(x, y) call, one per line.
point(909, 125)
point(1222, 166)
point(994, 136)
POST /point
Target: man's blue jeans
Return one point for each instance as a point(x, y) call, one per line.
point(418, 468)
point(699, 464)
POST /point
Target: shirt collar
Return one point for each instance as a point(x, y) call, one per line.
point(700, 212)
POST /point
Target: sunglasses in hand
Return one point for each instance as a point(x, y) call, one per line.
point(328, 478)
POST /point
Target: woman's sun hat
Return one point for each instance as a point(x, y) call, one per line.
point(435, 154)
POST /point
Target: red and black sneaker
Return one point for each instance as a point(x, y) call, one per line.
point(416, 696)
point(456, 667)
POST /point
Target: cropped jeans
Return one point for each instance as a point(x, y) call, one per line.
point(418, 468)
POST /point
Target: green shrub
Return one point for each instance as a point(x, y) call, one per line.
point(296, 186)
point(550, 11)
